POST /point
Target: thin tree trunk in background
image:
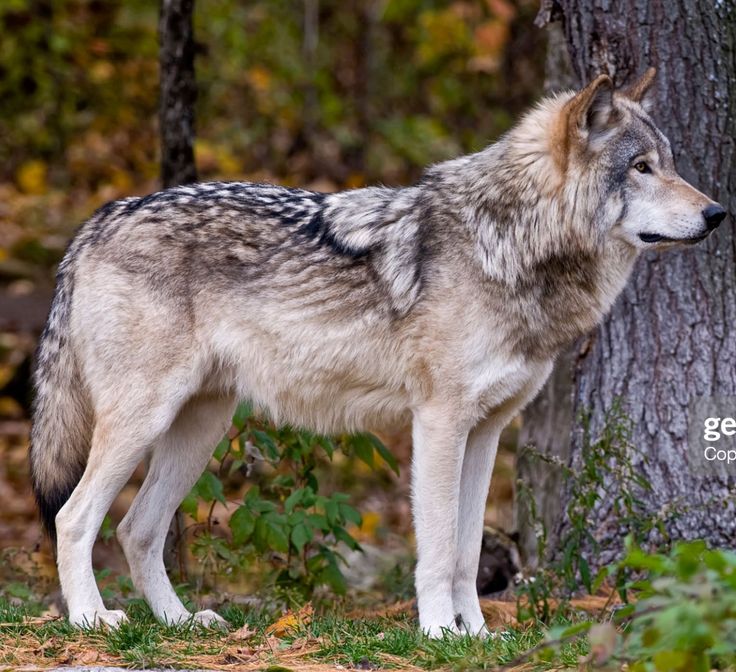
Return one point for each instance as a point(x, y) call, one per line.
point(368, 12)
point(178, 93)
point(671, 337)
point(310, 43)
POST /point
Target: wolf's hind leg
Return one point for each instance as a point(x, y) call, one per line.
point(480, 455)
point(178, 460)
point(115, 451)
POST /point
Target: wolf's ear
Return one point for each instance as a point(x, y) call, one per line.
point(591, 112)
point(584, 118)
point(641, 90)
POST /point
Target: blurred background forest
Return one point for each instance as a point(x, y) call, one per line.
point(324, 95)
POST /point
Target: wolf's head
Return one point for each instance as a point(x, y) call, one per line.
point(615, 158)
point(584, 178)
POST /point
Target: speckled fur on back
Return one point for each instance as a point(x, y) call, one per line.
point(443, 303)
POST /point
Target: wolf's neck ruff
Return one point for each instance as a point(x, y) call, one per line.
point(539, 248)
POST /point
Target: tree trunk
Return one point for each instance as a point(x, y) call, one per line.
point(668, 346)
point(310, 43)
point(178, 93)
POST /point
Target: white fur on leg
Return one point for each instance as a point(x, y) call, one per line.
point(120, 440)
point(79, 520)
point(478, 461)
point(438, 447)
point(179, 458)
point(477, 468)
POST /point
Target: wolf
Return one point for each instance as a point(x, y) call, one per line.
point(443, 303)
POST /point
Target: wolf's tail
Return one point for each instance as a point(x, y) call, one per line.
point(62, 412)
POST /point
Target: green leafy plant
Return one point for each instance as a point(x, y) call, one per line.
point(682, 617)
point(285, 517)
point(604, 459)
point(685, 614)
point(679, 611)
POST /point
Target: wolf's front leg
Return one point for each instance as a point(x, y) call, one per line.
point(439, 441)
point(477, 468)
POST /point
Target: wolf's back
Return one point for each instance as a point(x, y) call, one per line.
point(62, 415)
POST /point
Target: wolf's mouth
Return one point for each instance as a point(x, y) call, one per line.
point(656, 238)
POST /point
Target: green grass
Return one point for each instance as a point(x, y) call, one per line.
point(362, 642)
point(328, 640)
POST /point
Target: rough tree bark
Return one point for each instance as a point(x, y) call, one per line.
point(178, 93)
point(671, 337)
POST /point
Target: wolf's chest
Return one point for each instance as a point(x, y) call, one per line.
point(504, 382)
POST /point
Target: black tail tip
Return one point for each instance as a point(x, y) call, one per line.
point(49, 504)
point(52, 490)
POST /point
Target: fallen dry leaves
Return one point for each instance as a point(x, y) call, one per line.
point(241, 634)
point(291, 621)
point(242, 650)
point(498, 613)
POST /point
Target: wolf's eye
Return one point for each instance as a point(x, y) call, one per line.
point(642, 167)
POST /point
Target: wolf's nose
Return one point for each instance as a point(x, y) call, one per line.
point(714, 214)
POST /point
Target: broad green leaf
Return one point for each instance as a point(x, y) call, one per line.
point(293, 500)
point(328, 446)
point(301, 535)
point(385, 453)
point(189, 505)
point(283, 481)
point(318, 521)
point(341, 534)
point(242, 414)
point(276, 536)
point(350, 514)
point(262, 506)
point(242, 525)
point(332, 576)
point(221, 449)
point(363, 448)
point(332, 512)
point(296, 517)
point(209, 488)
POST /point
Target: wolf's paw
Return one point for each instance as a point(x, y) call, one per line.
point(112, 618)
point(209, 619)
point(475, 630)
